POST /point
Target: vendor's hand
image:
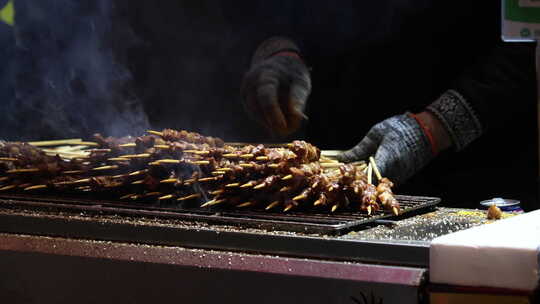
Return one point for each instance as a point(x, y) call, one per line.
point(275, 91)
point(400, 145)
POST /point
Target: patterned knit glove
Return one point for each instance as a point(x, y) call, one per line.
point(276, 88)
point(399, 145)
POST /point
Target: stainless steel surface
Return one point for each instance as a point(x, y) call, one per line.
point(58, 270)
point(404, 243)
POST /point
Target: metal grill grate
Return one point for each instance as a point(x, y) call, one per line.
point(305, 222)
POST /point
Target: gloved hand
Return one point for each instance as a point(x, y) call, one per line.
point(276, 88)
point(399, 144)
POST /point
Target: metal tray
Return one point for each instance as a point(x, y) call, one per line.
point(305, 222)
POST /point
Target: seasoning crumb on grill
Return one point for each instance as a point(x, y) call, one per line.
point(494, 213)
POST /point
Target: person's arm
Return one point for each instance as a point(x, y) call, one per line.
point(484, 96)
point(480, 99)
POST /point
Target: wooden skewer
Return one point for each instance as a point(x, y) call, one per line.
point(395, 211)
point(127, 196)
point(218, 173)
point(317, 202)
point(162, 147)
point(142, 155)
point(82, 181)
point(201, 152)
point(88, 143)
point(369, 173)
point(74, 172)
point(190, 181)
point(117, 159)
point(154, 132)
point(287, 177)
point(375, 169)
point(169, 161)
point(331, 165)
point(9, 187)
point(208, 179)
point(300, 197)
point(369, 210)
point(201, 162)
point(64, 154)
point(217, 192)
point(36, 187)
point(166, 197)
point(232, 185)
point(230, 155)
point(285, 189)
point(105, 168)
point(273, 166)
point(212, 203)
point(99, 150)
point(260, 186)
point(152, 194)
point(225, 169)
point(168, 181)
point(335, 207)
point(30, 170)
point(262, 158)
point(192, 196)
point(289, 207)
point(129, 156)
point(272, 205)
point(137, 173)
point(247, 165)
point(7, 159)
point(361, 167)
point(128, 145)
point(60, 142)
point(246, 204)
point(139, 182)
point(247, 156)
point(247, 185)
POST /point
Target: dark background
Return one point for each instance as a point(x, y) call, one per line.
point(119, 67)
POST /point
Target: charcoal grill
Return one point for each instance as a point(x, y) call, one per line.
point(306, 222)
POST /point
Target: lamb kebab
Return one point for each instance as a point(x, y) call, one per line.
point(184, 166)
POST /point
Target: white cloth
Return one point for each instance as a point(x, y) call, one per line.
point(504, 254)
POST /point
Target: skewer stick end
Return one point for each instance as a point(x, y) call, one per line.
point(287, 177)
point(154, 132)
point(272, 205)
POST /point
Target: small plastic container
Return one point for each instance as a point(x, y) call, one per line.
point(506, 205)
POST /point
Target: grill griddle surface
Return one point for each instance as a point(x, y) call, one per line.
point(306, 222)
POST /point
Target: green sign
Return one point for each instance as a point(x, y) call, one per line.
point(521, 20)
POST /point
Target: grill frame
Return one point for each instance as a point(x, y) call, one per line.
point(337, 223)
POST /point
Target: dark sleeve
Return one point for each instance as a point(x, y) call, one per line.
point(498, 88)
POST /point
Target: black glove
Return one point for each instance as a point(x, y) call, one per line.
point(276, 88)
point(400, 146)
